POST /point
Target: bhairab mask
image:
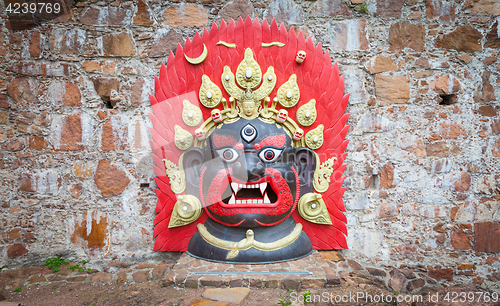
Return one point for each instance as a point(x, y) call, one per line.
point(258, 178)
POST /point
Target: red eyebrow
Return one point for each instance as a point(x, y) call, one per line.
point(275, 141)
point(224, 141)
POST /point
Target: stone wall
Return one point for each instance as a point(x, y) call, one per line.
point(423, 161)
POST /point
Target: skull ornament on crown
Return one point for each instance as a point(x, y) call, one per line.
point(261, 181)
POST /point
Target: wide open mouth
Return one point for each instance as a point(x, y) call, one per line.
point(249, 194)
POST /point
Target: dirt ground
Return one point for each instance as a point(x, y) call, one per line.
point(151, 293)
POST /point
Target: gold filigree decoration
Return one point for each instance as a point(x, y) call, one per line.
point(274, 43)
point(248, 74)
point(182, 138)
point(322, 174)
point(225, 44)
point(249, 241)
point(175, 175)
point(289, 93)
point(306, 114)
point(210, 94)
point(312, 208)
point(186, 210)
point(191, 114)
point(228, 81)
point(267, 85)
point(199, 59)
point(314, 138)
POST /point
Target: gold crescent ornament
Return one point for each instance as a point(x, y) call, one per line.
point(199, 59)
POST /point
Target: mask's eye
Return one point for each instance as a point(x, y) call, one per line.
point(228, 155)
point(269, 154)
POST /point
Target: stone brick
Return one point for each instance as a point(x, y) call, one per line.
point(492, 38)
point(140, 276)
point(487, 237)
point(64, 41)
point(440, 149)
point(381, 63)
point(35, 47)
point(406, 35)
point(159, 270)
point(235, 9)
point(461, 182)
point(22, 90)
point(101, 277)
point(387, 176)
point(388, 210)
point(164, 42)
point(463, 38)
point(397, 280)
point(391, 90)
point(14, 145)
point(286, 11)
point(451, 131)
point(389, 8)
point(67, 133)
point(92, 233)
point(415, 284)
point(347, 35)
point(111, 16)
point(445, 84)
point(496, 148)
point(37, 142)
point(11, 235)
point(329, 8)
point(459, 240)
point(4, 101)
point(114, 134)
point(41, 69)
point(143, 15)
point(82, 169)
point(16, 250)
point(119, 44)
point(442, 9)
point(168, 280)
point(122, 277)
point(64, 93)
point(354, 265)
point(186, 15)
point(495, 127)
point(291, 282)
point(211, 281)
point(332, 255)
point(104, 86)
point(75, 190)
point(376, 272)
point(272, 281)
point(490, 7)
point(467, 267)
point(439, 274)
point(313, 282)
point(110, 180)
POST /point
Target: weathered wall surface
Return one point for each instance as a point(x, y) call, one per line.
point(423, 161)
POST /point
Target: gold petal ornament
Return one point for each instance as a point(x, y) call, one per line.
point(267, 85)
point(306, 114)
point(228, 81)
point(314, 138)
point(187, 209)
point(210, 94)
point(312, 207)
point(182, 138)
point(322, 174)
point(289, 93)
point(191, 115)
point(199, 59)
point(248, 74)
point(175, 175)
